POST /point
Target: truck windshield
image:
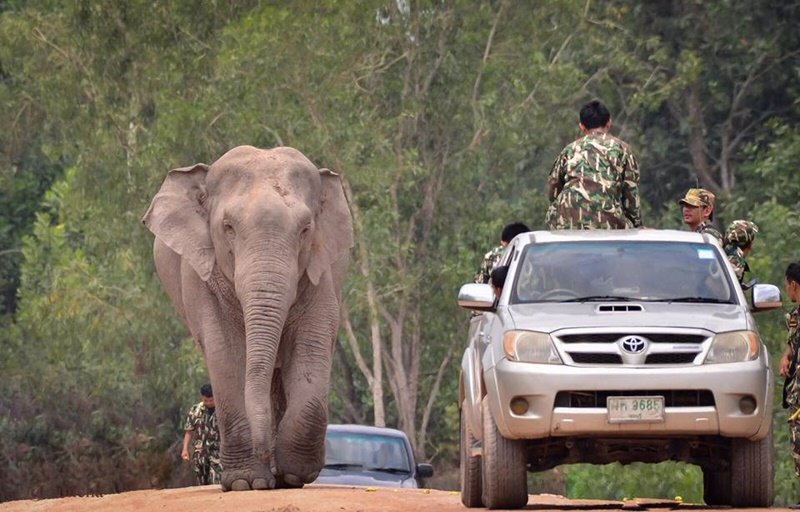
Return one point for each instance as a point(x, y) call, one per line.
point(609, 271)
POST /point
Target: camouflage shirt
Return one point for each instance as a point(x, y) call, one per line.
point(793, 326)
point(708, 229)
point(203, 422)
point(594, 184)
point(490, 260)
point(736, 257)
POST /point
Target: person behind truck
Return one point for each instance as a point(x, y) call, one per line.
point(788, 364)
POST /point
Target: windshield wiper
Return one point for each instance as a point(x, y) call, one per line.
point(600, 298)
point(707, 300)
point(344, 466)
point(390, 470)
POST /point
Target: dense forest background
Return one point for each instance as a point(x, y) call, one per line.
point(444, 118)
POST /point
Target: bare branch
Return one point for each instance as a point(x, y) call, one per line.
point(352, 341)
point(345, 389)
point(426, 416)
point(486, 53)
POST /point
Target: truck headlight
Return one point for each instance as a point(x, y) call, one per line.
point(530, 347)
point(734, 347)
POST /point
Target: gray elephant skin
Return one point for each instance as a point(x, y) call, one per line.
point(253, 251)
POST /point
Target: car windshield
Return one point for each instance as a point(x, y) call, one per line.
point(352, 450)
point(607, 271)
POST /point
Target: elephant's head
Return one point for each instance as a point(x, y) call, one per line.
point(265, 220)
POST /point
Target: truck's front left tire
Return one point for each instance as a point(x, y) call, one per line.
point(752, 473)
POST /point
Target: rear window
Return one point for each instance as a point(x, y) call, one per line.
point(614, 270)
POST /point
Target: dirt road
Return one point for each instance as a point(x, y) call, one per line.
point(313, 498)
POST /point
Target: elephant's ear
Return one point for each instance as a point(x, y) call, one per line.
point(334, 227)
point(178, 216)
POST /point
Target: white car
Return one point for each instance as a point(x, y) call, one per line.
point(616, 346)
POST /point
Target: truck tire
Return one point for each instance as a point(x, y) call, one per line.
point(716, 487)
point(470, 470)
point(505, 477)
point(752, 473)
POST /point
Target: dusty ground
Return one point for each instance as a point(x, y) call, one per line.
point(313, 498)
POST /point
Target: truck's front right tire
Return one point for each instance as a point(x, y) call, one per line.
point(505, 476)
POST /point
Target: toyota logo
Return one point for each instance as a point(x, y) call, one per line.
point(633, 344)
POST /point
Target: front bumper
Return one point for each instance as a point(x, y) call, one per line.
point(539, 384)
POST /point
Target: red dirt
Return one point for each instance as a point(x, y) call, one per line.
point(313, 498)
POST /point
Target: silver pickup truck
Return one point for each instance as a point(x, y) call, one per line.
point(616, 346)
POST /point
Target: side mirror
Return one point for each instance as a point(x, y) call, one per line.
point(424, 470)
point(476, 296)
point(766, 297)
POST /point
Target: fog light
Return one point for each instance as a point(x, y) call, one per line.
point(747, 404)
point(519, 405)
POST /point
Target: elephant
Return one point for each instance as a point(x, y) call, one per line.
point(253, 250)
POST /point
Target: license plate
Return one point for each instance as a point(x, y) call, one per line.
point(635, 409)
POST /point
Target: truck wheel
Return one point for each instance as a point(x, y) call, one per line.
point(752, 473)
point(470, 471)
point(716, 487)
point(505, 478)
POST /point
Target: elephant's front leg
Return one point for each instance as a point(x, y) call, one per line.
point(300, 443)
point(241, 470)
point(222, 343)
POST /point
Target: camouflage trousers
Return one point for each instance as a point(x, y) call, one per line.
point(794, 438)
point(207, 469)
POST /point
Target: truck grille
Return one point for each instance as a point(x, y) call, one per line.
point(674, 358)
point(610, 358)
point(595, 358)
point(672, 398)
point(613, 337)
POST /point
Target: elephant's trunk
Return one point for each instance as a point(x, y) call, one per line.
point(266, 298)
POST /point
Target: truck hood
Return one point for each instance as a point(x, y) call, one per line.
point(548, 317)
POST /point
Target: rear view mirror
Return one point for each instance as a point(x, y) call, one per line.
point(476, 296)
point(766, 297)
point(424, 470)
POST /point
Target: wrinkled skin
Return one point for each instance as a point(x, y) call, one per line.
point(253, 251)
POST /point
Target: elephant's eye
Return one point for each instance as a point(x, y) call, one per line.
point(305, 230)
point(228, 228)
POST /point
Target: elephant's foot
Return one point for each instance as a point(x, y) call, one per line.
point(290, 481)
point(247, 479)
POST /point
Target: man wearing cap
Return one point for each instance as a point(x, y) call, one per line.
point(738, 245)
point(594, 182)
point(697, 208)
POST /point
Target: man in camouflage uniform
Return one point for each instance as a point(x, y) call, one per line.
point(738, 245)
point(594, 182)
point(788, 365)
point(697, 208)
point(493, 257)
point(202, 421)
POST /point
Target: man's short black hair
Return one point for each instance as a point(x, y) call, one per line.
point(793, 272)
point(594, 115)
point(512, 230)
point(498, 276)
point(206, 391)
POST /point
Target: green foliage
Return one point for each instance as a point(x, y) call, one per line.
point(615, 482)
